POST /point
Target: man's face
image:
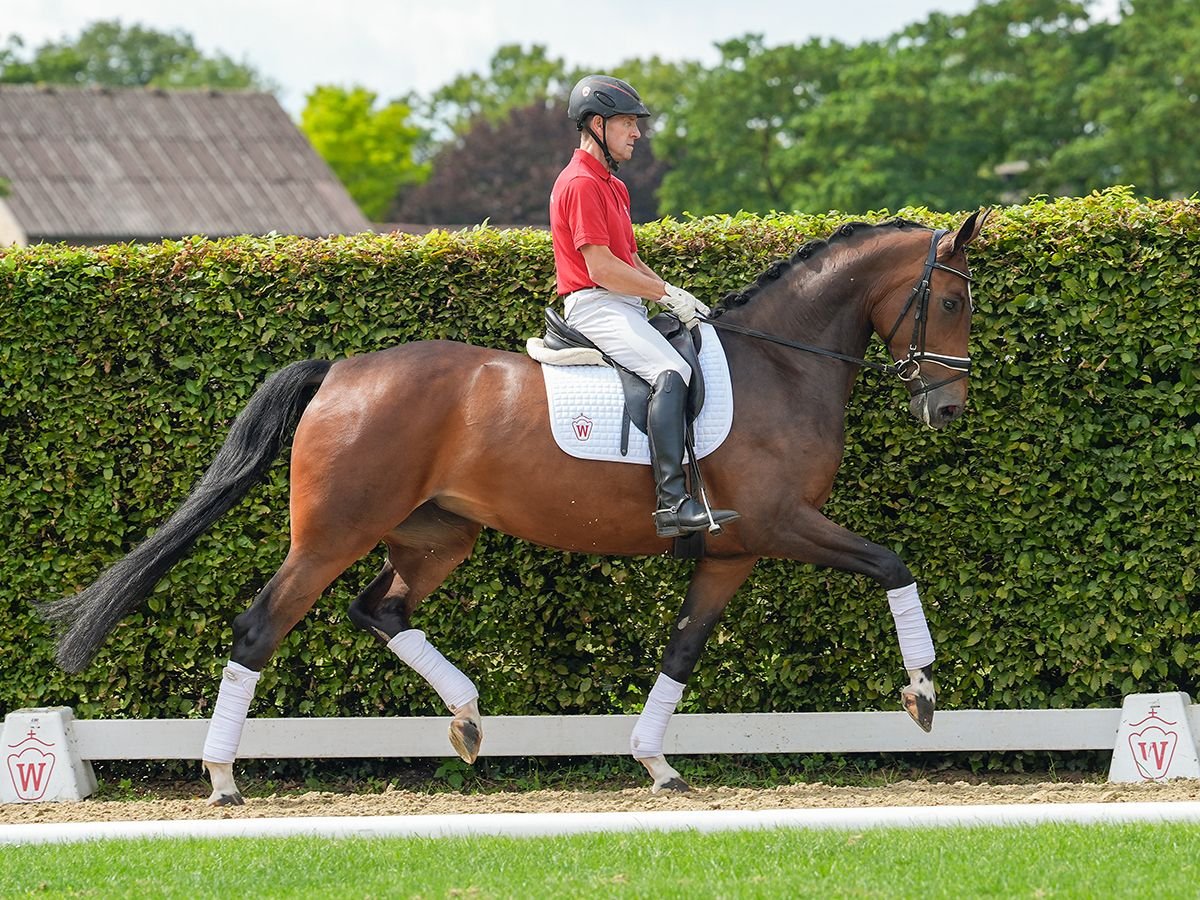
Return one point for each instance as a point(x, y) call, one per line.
point(622, 134)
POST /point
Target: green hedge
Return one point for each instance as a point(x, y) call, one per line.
point(1051, 529)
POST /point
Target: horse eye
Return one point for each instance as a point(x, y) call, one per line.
point(949, 304)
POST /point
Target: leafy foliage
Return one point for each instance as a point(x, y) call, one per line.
point(502, 171)
point(370, 150)
point(924, 117)
point(730, 140)
point(1051, 529)
point(517, 77)
point(1141, 106)
point(1013, 99)
point(106, 53)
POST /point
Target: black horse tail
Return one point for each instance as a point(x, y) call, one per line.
point(253, 443)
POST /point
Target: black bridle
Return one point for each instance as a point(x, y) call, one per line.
point(906, 369)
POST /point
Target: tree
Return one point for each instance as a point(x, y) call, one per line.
point(106, 53)
point(925, 117)
point(516, 78)
point(369, 149)
point(1015, 84)
point(1142, 110)
point(504, 137)
point(922, 118)
point(726, 140)
point(662, 85)
point(502, 171)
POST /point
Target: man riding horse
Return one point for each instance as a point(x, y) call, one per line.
point(603, 282)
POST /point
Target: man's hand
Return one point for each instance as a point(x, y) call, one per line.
point(683, 305)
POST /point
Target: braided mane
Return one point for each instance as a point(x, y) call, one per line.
point(805, 252)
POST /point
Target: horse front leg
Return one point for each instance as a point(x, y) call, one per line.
point(714, 582)
point(815, 539)
point(919, 698)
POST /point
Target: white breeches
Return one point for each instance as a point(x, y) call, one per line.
point(618, 324)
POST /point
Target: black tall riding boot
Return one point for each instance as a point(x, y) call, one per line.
point(677, 513)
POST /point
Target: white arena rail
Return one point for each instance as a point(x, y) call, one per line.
point(1150, 736)
point(849, 732)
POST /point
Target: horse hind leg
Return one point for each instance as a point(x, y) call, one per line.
point(258, 632)
point(422, 552)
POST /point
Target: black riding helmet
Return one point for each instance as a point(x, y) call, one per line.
point(603, 95)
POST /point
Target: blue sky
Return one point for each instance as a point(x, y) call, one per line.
point(395, 47)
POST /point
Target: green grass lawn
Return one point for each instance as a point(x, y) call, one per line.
point(1038, 861)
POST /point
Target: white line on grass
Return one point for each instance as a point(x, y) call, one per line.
point(547, 824)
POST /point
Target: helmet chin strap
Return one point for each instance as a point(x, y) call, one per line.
point(613, 165)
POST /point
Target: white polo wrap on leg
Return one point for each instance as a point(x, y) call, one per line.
point(229, 715)
point(647, 737)
point(916, 646)
point(452, 686)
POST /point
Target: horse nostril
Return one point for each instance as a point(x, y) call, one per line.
point(949, 412)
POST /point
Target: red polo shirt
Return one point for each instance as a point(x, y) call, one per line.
point(588, 205)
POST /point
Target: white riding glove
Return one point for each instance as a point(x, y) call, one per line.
point(683, 305)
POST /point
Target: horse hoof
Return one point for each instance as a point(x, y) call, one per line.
point(465, 738)
point(674, 785)
point(226, 800)
point(920, 708)
point(663, 776)
point(224, 789)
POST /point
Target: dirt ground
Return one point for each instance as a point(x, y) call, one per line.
point(406, 802)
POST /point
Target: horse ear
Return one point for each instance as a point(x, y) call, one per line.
point(969, 230)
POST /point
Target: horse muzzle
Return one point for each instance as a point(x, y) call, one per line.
point(939, 407)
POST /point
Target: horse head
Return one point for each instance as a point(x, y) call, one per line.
point(925, 320)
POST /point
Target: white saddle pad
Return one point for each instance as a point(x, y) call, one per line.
point(586, 404)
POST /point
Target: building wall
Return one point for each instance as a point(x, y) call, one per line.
point(10, 230)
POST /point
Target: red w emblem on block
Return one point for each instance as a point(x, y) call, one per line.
point(31, 768)
point(1153, 747)
point(583, 427)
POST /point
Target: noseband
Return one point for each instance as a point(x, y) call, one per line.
point(908, 368)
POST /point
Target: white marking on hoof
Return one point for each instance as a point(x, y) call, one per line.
point(466, 731)
point(920, 698)
point(664, 776)
point(225, 790)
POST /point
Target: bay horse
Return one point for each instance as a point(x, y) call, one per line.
point(389, 447)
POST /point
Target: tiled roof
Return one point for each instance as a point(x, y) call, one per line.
point(90, 165)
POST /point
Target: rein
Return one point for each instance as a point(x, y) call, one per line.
point(906, 369)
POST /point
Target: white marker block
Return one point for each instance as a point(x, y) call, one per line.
point(41, 759)
point(1154, 739)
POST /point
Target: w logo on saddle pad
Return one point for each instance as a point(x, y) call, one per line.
point(587, 407)
point(583, 428)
